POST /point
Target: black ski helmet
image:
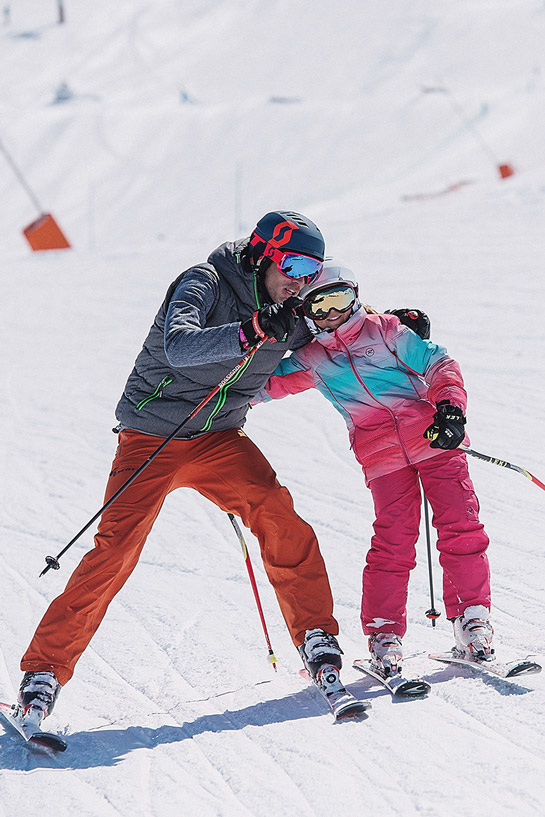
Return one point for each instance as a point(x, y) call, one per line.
point(288, 231)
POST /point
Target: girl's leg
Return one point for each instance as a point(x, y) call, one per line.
point(462, 541)
point(392, 553)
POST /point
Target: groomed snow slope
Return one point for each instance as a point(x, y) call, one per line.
point(185, 122)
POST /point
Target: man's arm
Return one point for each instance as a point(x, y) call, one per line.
point(415, 319)
point(188, 341)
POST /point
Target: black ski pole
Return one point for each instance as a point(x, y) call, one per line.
point(432, 613)
point(504, 464)
point(53, 561)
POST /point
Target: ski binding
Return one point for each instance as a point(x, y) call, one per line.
point(400, 688)
point(13, 714)
point(507, 671)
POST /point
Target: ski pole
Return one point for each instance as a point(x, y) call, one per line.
point(432, 613)
point(52, 561)
point(272, 657)
point(504, 464)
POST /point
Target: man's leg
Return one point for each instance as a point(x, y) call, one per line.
point(229, 469)
point(73, 617)
point(462, 541)
point(392, 554)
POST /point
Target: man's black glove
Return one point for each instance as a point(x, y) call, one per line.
point(415, 319)
point(273, 321)
point(447, 429)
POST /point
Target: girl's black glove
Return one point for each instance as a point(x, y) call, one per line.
point(447, 429)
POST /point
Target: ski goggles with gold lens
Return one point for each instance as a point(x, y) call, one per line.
point(295, 265)
point(340, 297)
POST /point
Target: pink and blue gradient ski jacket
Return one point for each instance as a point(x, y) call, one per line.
point(384, 380)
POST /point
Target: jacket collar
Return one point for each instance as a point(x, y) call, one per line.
point(345, 334)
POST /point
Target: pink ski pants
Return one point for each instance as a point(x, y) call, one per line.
point(461, 541)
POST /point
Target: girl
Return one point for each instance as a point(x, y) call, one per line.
point(403, 401)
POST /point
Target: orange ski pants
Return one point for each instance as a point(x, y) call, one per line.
point(227, 468)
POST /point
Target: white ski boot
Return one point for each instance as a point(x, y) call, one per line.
point(37, 695)
point(386, 653)
point(320, 648)
point(473, 634)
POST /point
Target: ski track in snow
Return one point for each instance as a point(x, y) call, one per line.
point(174, 708)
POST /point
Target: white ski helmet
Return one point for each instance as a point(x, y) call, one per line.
point(333, 272)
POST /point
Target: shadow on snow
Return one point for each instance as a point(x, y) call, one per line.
point(108, 747)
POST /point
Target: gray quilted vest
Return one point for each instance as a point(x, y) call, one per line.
point(158, 396)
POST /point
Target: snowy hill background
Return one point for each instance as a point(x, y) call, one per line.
point(153, 132)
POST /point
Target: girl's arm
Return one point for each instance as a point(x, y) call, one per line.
point(290, 377)
point(430, 361)
point(446, 383)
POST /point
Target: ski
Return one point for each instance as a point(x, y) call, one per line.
point(342, 703)
point(507, 671)
point(400, 688)
point(13, 714)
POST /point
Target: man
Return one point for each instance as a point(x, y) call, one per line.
point(212, 314)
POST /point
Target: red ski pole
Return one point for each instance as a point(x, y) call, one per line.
point(272, 657)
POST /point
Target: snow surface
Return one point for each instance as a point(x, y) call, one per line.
point(184, 123)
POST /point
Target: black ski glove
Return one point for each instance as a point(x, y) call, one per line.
point(447, 429)
point(273, 321)
point(415, 319)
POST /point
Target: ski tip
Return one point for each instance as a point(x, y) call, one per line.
point(412, 689)
point(515, 669)
point(524, 668)
point(49, 741)
point(354, 710)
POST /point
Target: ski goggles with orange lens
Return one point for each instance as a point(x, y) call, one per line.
point(295, 265)
point(340, 297)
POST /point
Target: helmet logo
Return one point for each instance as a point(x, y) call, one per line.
point(282, 233)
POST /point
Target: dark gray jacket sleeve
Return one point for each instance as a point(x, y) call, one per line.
point(188, 342)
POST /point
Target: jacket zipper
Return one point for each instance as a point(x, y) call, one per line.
point(223, 391)
point(389, 410)
point(157, 393)
point(223, 396)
